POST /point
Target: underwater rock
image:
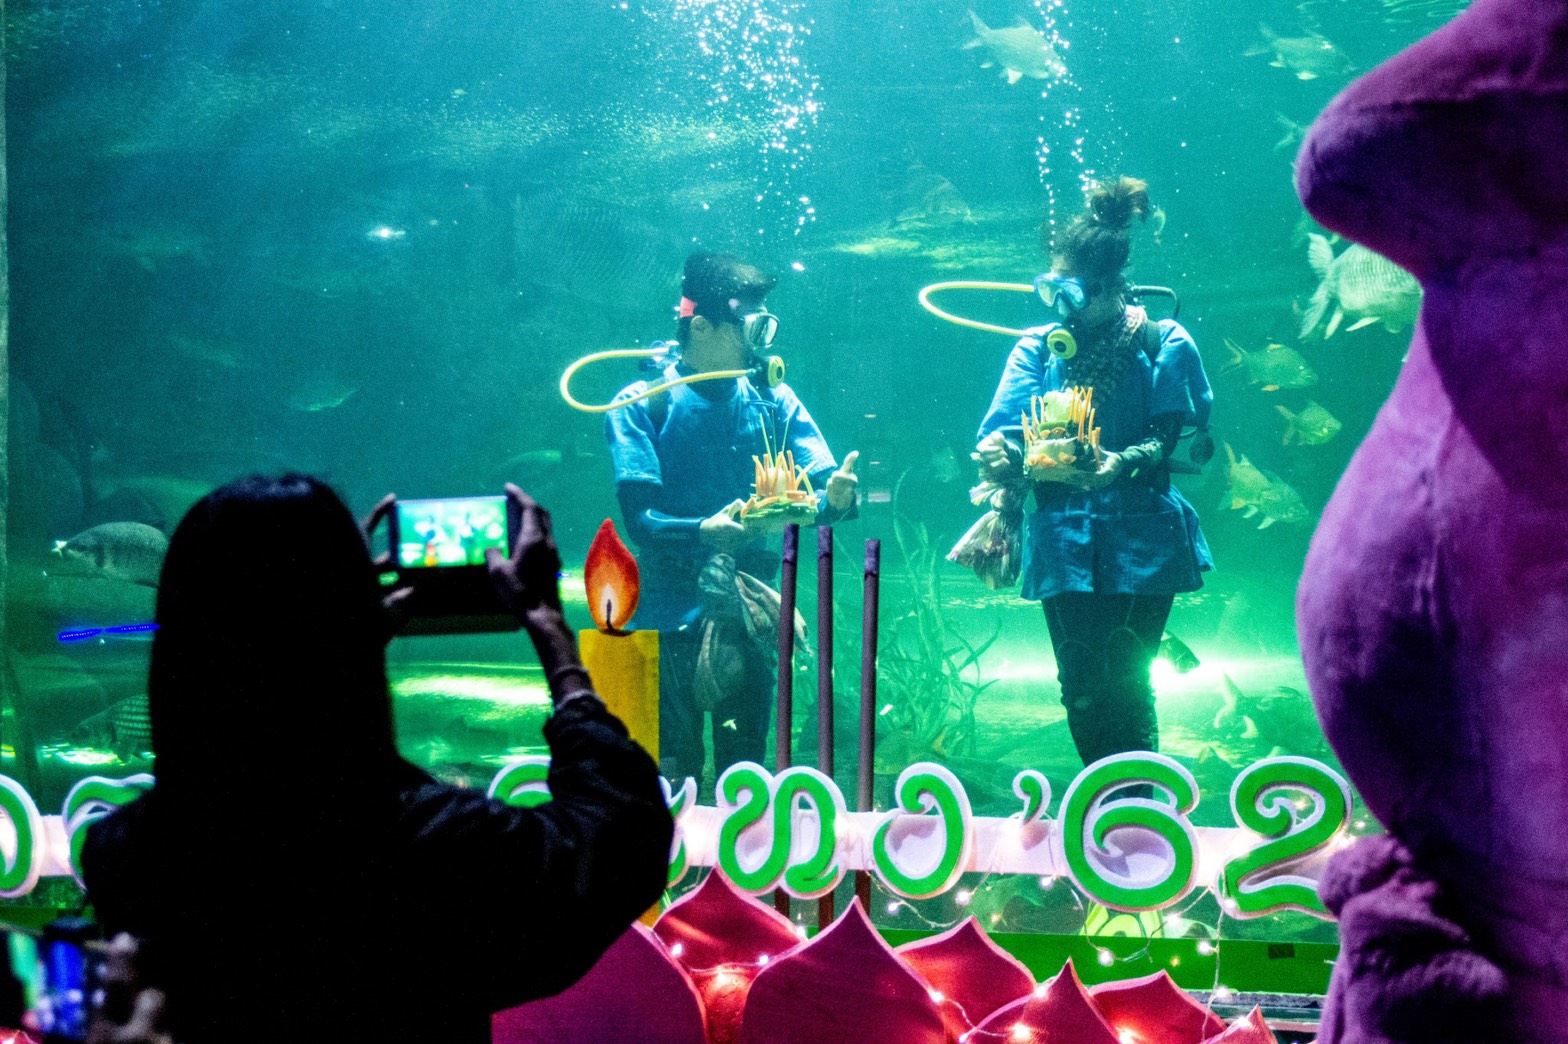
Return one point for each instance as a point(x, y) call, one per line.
point(1432, 604)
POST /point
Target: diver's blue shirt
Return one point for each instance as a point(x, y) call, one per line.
point(1129, 537)
point(695, 454)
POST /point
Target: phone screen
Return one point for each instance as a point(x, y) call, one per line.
point(454, 531)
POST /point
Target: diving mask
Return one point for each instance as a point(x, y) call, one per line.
point(1064, 295)
point(758, 329)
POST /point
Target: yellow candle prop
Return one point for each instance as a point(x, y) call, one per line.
point(624, 665)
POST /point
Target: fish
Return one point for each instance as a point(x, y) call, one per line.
point(1360, 284)
point(1308, 57)
point(320, 392)
point(933, 201)
point(1256, 492)
point(131, 551)
point(1019, 51)
point(124, 728)
point(1280, 721)
point(1291, 132)
point(879, 246)
point(1312, 426)
point(150, 248)
point(230, 355)
point(1272, 368)
point(1175, 652)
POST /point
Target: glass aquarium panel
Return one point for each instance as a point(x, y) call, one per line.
point(365, 241)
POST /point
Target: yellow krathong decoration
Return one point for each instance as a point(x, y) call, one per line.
point(782, 490)
point(1047, 442)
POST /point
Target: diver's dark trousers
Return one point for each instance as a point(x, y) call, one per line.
point(740, 720)
point(1104, 646)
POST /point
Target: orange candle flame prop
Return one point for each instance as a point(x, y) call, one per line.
point(611, 578)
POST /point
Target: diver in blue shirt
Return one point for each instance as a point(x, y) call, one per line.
point(684, 466)
point(1109, 545)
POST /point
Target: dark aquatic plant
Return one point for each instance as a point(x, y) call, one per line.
point(928, 674)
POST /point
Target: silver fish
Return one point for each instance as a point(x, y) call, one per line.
point(1312, 426)
point(1363, 285)
point(1255, 492)
point(1272, 368)
point(122, 550)
point(1019, 50)
point(1308, 57)
point(124, 728)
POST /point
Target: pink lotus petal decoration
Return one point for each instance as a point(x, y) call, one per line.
point(1061, 1012)
point(1250, 1030)
point(971, 974)
point(846, 985)
point(722, 937)
point(1155, 1011)
point(634, 992)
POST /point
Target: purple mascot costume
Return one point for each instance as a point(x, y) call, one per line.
point(1433, 611)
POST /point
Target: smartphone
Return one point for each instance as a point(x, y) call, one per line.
point(70, 977)
point(438, 548)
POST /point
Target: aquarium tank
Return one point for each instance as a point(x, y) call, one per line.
point(366, 240)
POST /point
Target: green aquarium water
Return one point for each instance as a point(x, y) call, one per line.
point(365, 240)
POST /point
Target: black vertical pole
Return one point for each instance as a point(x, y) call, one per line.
point(825, 679)
point(868, 701)
point(786, 696)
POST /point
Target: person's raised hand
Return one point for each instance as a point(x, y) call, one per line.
point(394, 601)
point(843, 482)
point(529, 580)
point(721, 531)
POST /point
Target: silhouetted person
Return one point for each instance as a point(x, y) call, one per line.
point(290, 875)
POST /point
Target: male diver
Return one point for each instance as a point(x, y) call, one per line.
point(683, 462)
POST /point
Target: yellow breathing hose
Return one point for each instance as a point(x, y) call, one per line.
point(971, 284)
point(775, 372)
point(1059, 342)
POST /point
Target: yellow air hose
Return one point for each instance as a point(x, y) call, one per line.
point(1060, 342)
point(775, 374)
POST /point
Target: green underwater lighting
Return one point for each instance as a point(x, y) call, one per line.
point(509, 690)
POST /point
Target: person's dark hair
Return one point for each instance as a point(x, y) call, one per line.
point(270, 642)
point(724, 288)
point(1096, 243)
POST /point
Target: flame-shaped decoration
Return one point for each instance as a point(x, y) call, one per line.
point(845, 984)
point(973, 975)
point(1060, 1012)
point(1250, 1030)
point(720, 934)
point(636, 991)
point(1156, 1009)
point(610, 576)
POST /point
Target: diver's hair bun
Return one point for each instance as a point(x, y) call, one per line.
point(1116, 202)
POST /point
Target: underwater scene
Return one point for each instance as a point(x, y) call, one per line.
point(366, 240)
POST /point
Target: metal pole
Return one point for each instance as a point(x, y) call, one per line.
point(868, 700)
point(825, 679)
point(784, 726)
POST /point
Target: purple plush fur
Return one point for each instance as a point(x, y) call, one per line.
point(1433, 610)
